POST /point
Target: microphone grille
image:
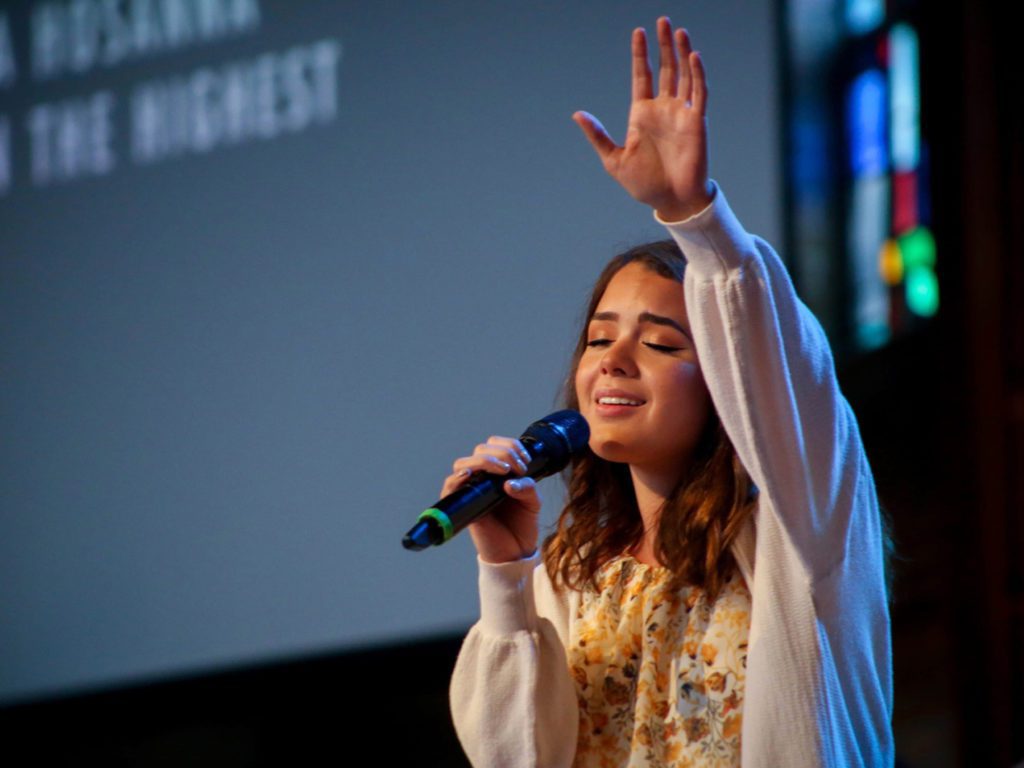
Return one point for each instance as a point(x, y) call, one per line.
point(571, 427)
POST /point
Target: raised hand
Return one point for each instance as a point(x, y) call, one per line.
point(664, 161)
point(510, 530)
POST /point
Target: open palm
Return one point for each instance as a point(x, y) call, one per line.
point(664, 160)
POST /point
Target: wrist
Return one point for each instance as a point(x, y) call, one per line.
point(502, 556)
point(499, 560)
point(498, 550)
point(680, 210)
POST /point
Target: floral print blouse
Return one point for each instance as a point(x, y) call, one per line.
point(659, 675)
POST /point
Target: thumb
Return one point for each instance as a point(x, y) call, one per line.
point(596, 135)
point(524, 490)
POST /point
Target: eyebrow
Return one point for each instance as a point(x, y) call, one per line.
point(645, 317)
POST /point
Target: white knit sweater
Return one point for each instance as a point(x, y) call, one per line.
point(819, 664)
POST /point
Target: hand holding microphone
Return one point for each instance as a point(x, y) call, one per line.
point(503, 510)
point(510, 530)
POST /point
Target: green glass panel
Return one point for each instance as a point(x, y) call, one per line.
point(922, 291)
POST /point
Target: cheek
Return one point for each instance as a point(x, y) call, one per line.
point(687, 381)
point(582, 382)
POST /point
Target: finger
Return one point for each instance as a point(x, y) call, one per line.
point(480, 463)
point(463, 469)
point(495, 459)
point(668, 73)
point(641, 67)
point(507, 455)
point(700, 84)
point(514, 454)
point(685, 75)
point(510, 442)
point(597, 136)
point(455, 480)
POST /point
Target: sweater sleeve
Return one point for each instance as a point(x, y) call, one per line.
point(512, 700)
point(769, 368)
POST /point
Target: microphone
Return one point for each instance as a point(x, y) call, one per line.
point(550, 441)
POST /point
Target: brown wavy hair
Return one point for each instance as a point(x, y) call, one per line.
point(700, 518)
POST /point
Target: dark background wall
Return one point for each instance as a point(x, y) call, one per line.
point(942, 415)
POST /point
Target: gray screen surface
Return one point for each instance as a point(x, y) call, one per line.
point(267, 268)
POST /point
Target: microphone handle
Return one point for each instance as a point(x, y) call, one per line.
point(455, 511)
point(440, 522)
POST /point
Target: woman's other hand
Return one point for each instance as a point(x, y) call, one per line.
point(664, 162)
point(510, 530)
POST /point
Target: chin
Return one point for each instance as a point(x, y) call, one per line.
point(610, 450)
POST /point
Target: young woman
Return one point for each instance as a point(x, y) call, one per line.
point(714, 591)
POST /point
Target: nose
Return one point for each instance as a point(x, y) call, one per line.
point(617, 359)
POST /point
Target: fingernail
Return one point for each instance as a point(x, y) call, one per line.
point(515, 485)
point(505, 464)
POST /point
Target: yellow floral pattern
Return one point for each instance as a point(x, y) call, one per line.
point(659, 675)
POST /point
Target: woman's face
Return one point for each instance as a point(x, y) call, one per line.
point(638, 382)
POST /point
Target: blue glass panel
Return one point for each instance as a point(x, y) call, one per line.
point(905, 98)
point(868, 219)
point(863, 15)
point(866, 113)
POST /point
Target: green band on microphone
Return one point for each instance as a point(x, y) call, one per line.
point(441, 518)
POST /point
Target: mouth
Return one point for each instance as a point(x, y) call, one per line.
point(629, 402)
point(613, 406)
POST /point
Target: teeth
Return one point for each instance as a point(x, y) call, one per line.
point(619, 401)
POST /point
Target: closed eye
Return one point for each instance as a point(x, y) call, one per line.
point(659, 347)
point(663, 347)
